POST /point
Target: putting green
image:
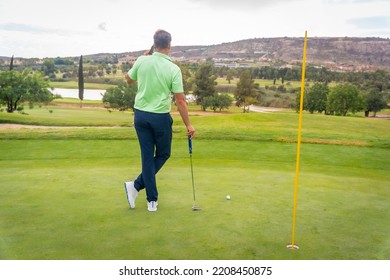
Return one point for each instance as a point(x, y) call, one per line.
point(64, 199)
point(62, 194)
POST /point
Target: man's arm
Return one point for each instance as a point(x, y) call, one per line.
point(128, 79)
point(182, 107)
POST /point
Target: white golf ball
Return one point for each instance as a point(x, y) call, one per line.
point(228, 197)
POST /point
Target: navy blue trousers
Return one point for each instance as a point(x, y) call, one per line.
point(154, 133)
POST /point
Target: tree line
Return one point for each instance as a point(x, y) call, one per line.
point(62, 69)
point(342, 99)
point(356, 91)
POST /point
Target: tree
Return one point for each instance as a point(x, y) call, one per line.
point(316, 96)
point(125, 67)
point(114, 69)
point(217, 102)
point(121, 97)
point(209, 101)
point(108, 69)
point(48, 67)
point(223, 101)
point(344, 98)
point(229, 76)
point(375, 102)
point(204, 83)
point(187, 77)
point(245, 93)
point(290, 75)
point(81, 81)
point(11, 65)
point(16, 88)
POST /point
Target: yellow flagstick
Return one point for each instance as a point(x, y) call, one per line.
point(292, 245)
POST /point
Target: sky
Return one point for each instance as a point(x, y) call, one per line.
point(52, 28)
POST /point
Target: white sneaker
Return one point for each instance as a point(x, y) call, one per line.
point(131, 193)
point(152, 206)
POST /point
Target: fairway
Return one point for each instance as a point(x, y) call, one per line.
point(62, 194)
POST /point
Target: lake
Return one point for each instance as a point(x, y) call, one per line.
point(89, 94)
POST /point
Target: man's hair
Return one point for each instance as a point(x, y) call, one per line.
point(162, 39)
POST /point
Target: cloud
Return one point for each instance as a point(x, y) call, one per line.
point(376, 22)
point(368, 1)
point(38, 30)
point(10, 26)
point(102, 26)
point(241, 4)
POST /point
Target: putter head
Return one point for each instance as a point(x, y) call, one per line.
point(195, 208)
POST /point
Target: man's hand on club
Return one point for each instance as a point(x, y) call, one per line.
point(190, 132)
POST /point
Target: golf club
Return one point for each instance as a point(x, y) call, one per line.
point(194, 207)
point(151, 51)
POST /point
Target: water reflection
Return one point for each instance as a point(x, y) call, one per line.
point(89, 94)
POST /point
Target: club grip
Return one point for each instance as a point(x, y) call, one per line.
point(151, 51)
point(190, 144)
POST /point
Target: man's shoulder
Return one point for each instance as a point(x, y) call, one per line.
point(175, 66)
point(142, 58)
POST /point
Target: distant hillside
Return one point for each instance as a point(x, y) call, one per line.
point(337, 54)
point(340, 54)
point(334, 53)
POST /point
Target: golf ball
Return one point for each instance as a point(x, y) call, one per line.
point(228, 197)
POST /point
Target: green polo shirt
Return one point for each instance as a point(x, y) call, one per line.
point(157, 77)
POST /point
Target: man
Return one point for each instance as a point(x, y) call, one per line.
point(157, 77)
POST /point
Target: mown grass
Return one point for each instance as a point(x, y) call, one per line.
point(71, 116)
point(278, 126)
point(63, 197)
point(75, 85)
